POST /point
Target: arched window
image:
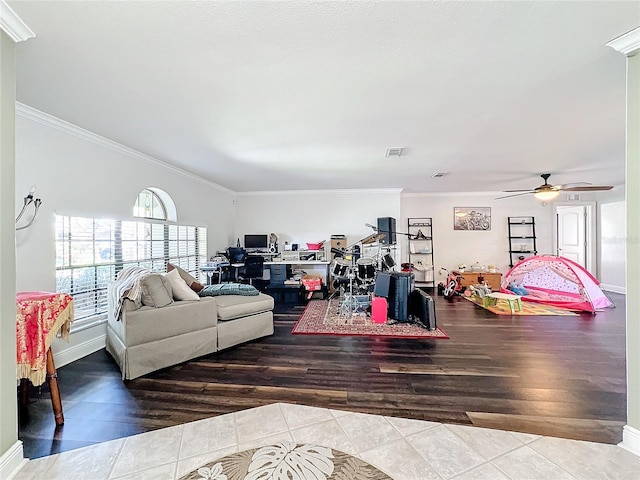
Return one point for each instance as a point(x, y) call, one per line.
point(149, 205)
point(90, 252)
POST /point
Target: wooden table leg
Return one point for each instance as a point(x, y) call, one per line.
point(52, 378)
point(23, 407)
point(24, 392)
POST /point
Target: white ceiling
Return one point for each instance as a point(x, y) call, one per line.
point(297, 95)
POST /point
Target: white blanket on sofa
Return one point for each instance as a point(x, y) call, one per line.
point(127, 285)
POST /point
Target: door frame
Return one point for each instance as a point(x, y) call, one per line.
point(590, 232)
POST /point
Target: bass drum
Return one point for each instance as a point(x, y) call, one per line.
point(366, 269)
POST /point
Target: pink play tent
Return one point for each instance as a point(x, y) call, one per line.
point(556, 281)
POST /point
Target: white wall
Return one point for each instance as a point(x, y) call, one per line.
point(612, 246)
point(10, 447)
point(78, 173)
point(451, 247)
point(301, 217)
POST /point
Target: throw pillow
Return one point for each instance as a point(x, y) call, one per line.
point(188, 278)
point(181, 290)
point(228, 289)
point(156, 291)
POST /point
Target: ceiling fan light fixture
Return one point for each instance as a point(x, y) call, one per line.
point(546, 195)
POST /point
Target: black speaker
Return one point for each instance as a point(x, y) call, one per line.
point(382, 285)
point(387, 226)
point(401, 285)
point(273, 247)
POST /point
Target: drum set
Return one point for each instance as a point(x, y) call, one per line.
point(354, 276)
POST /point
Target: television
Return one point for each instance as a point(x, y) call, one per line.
point(256, 242)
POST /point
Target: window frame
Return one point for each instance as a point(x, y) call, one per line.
point(80, 253)
point(154, 197)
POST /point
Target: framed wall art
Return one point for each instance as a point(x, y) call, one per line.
point(472, 218)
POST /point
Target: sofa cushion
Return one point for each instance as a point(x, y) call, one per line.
point(150, 324)
point(156, 290)
point(190, 280)
point(181, 290)
point(235, 306)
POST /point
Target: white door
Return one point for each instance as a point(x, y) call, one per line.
point(571, 233)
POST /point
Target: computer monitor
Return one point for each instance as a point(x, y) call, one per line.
point(256, 242)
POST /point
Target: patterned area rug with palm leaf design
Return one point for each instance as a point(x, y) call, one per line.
point(287, 461)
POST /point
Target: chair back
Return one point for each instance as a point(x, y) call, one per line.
point(236, 254)
point(253, 266)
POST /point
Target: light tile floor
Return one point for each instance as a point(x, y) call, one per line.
point(404, 449)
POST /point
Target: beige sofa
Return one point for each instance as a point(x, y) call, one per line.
point(146, 338)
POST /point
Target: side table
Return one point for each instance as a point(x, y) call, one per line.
point(40, 317)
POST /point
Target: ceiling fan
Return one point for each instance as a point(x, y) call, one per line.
point(548, 192)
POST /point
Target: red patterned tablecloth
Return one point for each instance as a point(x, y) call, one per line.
point(40, 316)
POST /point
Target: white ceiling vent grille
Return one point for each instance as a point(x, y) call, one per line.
point(393, 152)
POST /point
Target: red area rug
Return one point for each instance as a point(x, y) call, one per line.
point(321, 317)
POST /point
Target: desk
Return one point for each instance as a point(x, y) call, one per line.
point(40, 317)
point(308, 263)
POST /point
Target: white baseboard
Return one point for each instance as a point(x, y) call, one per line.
point(12, 461)
point(76, 352)
point(631, 439)
point(613, 288)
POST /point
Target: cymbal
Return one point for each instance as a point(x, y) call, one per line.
point(374, 237)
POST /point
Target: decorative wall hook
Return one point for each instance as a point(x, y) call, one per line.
point(28, 200)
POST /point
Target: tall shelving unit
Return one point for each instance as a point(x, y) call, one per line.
point(522, 238)
point(420, 239)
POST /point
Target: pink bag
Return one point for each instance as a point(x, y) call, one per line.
point(379, 309)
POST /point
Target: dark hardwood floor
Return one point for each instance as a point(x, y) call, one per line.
point(558, 376)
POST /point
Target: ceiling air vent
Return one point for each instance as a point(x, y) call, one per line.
point(393, 152)
point(439, 174)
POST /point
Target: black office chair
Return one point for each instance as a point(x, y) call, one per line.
point(253, 268)
point(236, 254)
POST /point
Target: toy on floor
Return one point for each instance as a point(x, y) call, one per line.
point(480, 290)
point(518, 290)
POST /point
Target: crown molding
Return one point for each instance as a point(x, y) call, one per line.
point(629, 43)
point(13, 25)
point(350, 191)
point(42, 118)
point(451, 194)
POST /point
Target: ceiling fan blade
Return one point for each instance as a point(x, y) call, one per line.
point(528, 190)
point(564, 186)
point(516, 194)
point(592, 188)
